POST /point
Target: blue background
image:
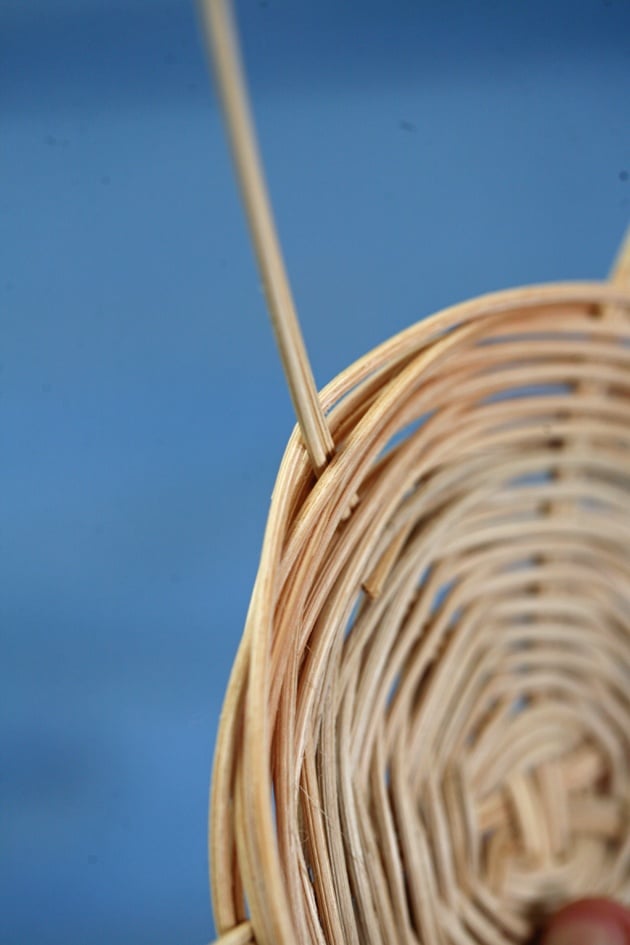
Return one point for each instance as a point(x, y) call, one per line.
point(418, 153)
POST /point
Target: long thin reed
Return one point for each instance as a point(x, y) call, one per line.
point(225, 56)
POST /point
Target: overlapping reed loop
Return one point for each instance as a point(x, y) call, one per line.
point(426, 735)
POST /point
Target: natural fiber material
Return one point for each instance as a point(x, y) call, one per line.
point(426, 736)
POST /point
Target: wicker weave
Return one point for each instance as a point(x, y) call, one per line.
point(430, 706)
point(426, 736)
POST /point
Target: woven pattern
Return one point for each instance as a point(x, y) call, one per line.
point(427, 733)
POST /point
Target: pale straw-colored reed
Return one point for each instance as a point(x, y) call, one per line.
point(426, 735)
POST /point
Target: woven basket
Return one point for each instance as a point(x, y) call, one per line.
point(426, 735)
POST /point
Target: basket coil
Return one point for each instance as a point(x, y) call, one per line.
point(426, 735)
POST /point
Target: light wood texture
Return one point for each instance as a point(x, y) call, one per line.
point(426, 735)
point(225, 56)
point(620, 272)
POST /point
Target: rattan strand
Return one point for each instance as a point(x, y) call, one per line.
point(426, 736)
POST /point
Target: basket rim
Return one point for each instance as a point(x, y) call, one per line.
point(249, 677)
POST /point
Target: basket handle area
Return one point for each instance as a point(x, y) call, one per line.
point(225, 56)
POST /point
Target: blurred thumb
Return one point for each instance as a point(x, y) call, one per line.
point(589, 922)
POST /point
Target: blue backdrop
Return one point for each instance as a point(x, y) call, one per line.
point(418, 153)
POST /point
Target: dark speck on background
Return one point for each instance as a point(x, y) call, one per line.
point(405, 125)
point(623, 175)
point(53, 142)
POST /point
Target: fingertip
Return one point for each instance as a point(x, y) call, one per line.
point(589, 922)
